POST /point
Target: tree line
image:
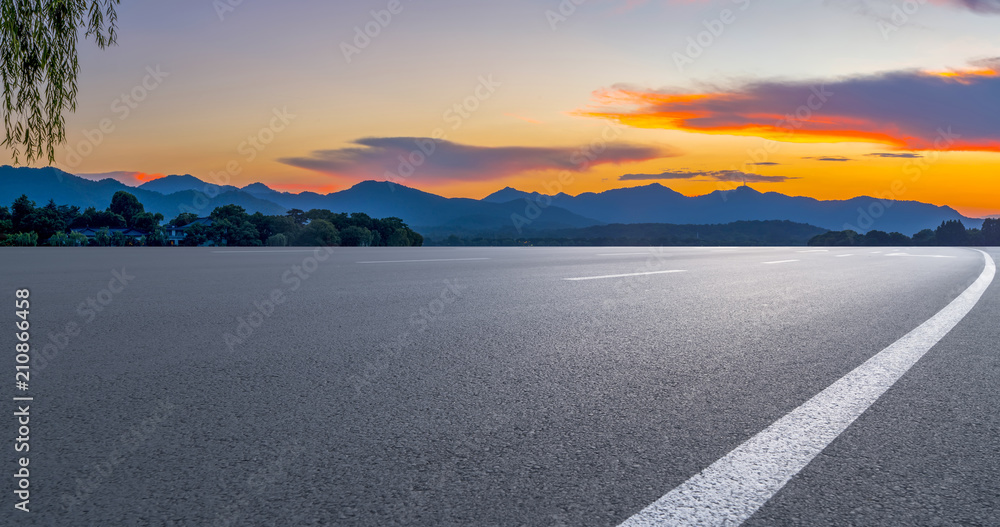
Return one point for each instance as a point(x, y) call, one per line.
point(739, 233)
point(26, 224)
point(951, 233)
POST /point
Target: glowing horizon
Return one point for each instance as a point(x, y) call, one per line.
point(439, 97)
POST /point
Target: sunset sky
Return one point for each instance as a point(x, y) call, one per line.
point(824, 98)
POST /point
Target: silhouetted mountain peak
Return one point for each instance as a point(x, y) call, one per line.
point(505, 195)
point(746, 190)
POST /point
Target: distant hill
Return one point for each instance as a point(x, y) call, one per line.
point(185, 194)
point(43, 184)
point(439, 216)
point(658, 204)
point(172, 184)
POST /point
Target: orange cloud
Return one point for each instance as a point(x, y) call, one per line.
point(437, 160)
point(911, 110)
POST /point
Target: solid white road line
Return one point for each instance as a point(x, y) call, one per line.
point(780, 262)
point(620, 275)
point(431, 260)
point(734, 487)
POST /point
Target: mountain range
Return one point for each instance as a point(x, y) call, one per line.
point(506, 210)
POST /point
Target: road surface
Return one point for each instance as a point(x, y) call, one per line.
point(502, 386)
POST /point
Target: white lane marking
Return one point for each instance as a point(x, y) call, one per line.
point(921, 255)
point(429, 260)
point(843, 255)
point(621, 275)
point(734, 487)
point(276, 251)
point(626, 254)
point(876, 252)
point(816, 251)
point(780, 262)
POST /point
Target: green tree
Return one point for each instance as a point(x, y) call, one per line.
point(277, 240)
point(399, 239)
point(951, 233)
point(283, 225)
point(60, 239)
point(147, 221)
point(355, 236)
point(195, 236)
point(924, 238)
point(119, 240)
point(21, 209)
point(991, 232)
point(39, 67)
point(231, 225)
point(263, 225)
point(361, 219)
point(69, 213)
point(156, 238)
point(78, 239)
point(22, 239)
point(836, 239)
point(46, 221)
point(876, 238)
point(96, 219)
point(103, 237)
point(318, 233)
point(298, 216)
point(183, 219)
point(975, 238)
point(127, 206)
point(898, 239)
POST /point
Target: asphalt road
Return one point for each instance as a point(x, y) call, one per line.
point(468, 386)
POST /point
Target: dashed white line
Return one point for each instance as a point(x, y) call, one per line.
point(621, 275)
point(780, 262)
point(733, 488)
point(429, 260)
point(626, 254)
point(816, 251)
point(843, 255)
